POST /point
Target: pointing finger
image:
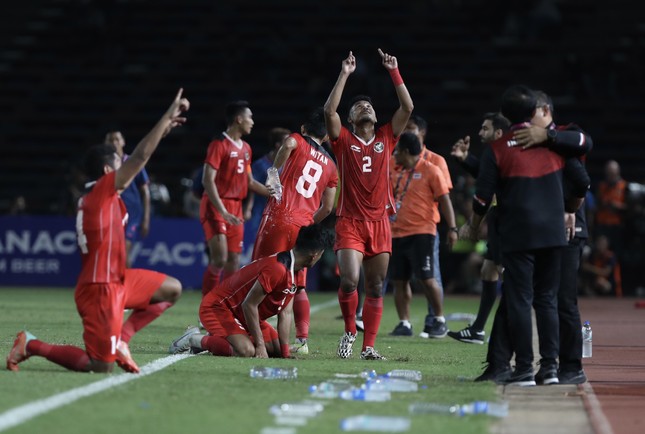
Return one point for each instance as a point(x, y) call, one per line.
point(181, 90)
point(381, 53)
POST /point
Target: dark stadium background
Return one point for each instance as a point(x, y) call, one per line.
point(72, 70)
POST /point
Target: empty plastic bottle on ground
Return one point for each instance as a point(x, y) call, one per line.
point(587, 335)
point(375, 423)
point(296, 409)
point(274, 373)
point(365, 395)
point(273, 180)
point(405, 374)
point(391, 384)
point(329, 389)
point(497, 409)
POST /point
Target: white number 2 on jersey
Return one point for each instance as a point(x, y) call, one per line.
point(307, 177)
point(367, 166)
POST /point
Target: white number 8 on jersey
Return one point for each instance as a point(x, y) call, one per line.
point(307, 177)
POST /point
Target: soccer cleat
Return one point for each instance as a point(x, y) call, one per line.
point(182, 343)
point(437, 330)
point(521, 378)
point(369, 353)
point(547, 375)
point(300, 347)
point(401, 330)
point(124, 359)
point(572, 377)
point(469, 335)
point(345, 345)
point(496, 374)
point(19, 352)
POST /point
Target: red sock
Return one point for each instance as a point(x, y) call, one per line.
point(141, 318)
point(301, 313)
point(67, 356)
point(348, 304)
point(210, 279)
point(217, 346)
point(372, 313)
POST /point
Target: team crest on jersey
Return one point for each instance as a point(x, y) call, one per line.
point(247, 156)
point(379, 147)
point(355, 148)
point(291, 290)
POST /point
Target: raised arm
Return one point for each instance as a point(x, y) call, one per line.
point(142, 153)
point(332, 120)
point(402, 114)
point(284, 152)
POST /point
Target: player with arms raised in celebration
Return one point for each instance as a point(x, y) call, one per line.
point(105, 287)
point(363, 230)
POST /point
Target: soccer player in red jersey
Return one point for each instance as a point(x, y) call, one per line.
point(309, 179)
point(365, 202)
point(105, 287)
point(235, 312)
point(227, 178)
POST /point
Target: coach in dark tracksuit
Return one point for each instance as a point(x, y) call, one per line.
point(528, 185)
point(569, 141)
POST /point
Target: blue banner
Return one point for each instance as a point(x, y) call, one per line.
point(42, 251)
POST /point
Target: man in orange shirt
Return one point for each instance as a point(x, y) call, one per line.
point(418, 126)
point(611, 207)
point(417, 185)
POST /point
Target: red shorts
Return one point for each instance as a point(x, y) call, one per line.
point(101, 306)
point(220, 321)
point(213, 223)
point(277, 235)
point(368, 237)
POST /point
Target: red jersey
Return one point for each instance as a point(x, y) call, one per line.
point(275, 274)
point(364, 168)
point(309, 170)
point(233, 163)
point(100, 234)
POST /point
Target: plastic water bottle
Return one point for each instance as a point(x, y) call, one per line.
point(496, 409)
point(273, 180)
point(329, 389)
point(405, 374)
point(365, 395)
point(274, 373)
point(391, 385)
point(461, 316)
point(296, 409)
point(587, 335)
point(368, 373)
point(375, 423)
point(278, 430)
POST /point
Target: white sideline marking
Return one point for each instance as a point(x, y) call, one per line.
point(23, 413)
point(596, 413)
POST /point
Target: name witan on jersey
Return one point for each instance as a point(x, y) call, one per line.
point(319, 156)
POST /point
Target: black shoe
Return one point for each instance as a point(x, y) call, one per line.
point(572, 377)
point(437, 330)
point(497, 374)
point(547, 375)
point(469, 335)
point(522, 378)
point(401, 330)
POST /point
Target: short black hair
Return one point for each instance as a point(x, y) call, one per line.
point(498, 121)
point(234, 109)
point(419, 122)
point(410, 142)
point(276, 135)
point(315, 237)
point(358, 98)
point(518, 103)
point(315, 123)
point(95, 159)
point(544, 99)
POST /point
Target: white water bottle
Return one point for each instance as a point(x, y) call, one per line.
point(391, 384)
point(274, 373)
point(375, 423)
point(405, 374)
point(587, 335)
point(273, 180)
point(365, 395)
point(329, 389)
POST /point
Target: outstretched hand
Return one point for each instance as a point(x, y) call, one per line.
point(349, 64)
point(174, 112)
point(460, 148)
point(388, 61)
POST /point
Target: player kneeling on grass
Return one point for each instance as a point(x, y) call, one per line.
point(235, 312)
point(105, 287)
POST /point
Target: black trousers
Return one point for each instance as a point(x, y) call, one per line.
point(531, 280)
point(568, 313)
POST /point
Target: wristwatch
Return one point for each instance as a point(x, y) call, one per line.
point(551, 135)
